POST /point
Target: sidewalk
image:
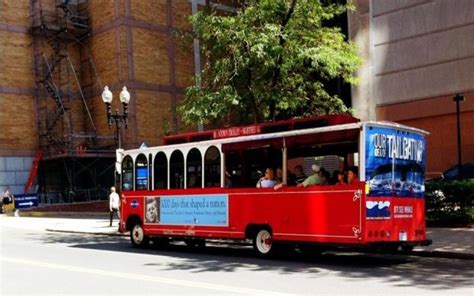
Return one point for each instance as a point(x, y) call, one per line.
point(85, 226)
point(447, 242)
point(79, 223)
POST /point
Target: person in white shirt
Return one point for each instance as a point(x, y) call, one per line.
point(114, 204)
point(268, 180)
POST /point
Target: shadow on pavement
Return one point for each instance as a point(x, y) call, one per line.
point(397, 270)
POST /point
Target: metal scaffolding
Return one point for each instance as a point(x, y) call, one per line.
point(67, 132)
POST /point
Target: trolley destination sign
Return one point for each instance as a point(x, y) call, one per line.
point(236, 132)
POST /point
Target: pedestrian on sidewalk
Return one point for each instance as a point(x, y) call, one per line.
point(6, 199)
point(114, 204)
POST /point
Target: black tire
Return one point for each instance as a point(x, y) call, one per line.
point(263, 243)
point(138, 237)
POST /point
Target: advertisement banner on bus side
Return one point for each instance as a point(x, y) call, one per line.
point(394, 162)
point(199, 210)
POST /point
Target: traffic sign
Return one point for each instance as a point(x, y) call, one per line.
point(23, 201)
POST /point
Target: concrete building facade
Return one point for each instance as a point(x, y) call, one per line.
point(418, 54)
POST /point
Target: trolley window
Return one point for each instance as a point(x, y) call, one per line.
point(177, 169)
point(160, 167)
point(141, 173)
point(127, 173)
point(193, 169)
point(212, 167)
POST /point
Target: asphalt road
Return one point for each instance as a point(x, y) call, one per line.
point(34, 261)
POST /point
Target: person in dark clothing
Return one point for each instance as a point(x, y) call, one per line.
point(299, 174)
point(6, 199)
point(339, 178)
point(353, 175)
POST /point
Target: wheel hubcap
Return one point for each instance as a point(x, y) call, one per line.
point(138, 234)
point(264, 241)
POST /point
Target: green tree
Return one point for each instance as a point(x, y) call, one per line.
point(269, 60)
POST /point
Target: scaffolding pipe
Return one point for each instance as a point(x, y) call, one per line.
point(82, 94)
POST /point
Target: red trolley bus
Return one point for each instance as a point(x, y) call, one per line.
point(202, 185)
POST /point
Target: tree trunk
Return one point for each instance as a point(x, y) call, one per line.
point(276, 74)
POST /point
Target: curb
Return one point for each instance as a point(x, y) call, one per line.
point(85, 232)
point(443, 254)
point(97, 215)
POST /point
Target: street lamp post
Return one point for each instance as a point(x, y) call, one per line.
point(459, 98)
point(117, 118)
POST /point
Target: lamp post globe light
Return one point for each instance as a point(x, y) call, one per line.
point(124, 96)
point(117, 118)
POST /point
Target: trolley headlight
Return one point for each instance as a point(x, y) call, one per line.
point(367, 187)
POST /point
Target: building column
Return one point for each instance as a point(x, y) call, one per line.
point(360, 24)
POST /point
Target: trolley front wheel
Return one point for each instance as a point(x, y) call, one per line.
point(138, 237)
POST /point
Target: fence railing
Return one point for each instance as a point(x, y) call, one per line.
point(80, 195)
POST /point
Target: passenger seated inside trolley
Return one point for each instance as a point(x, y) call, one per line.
point(313, 179)
point(268, 180)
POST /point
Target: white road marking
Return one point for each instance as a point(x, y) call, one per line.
point(156, 279)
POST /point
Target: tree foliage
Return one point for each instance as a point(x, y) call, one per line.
point(450, 202)
point(269, 60)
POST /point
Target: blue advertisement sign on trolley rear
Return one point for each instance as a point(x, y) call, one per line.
point(394, 168)
point(394, 162)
